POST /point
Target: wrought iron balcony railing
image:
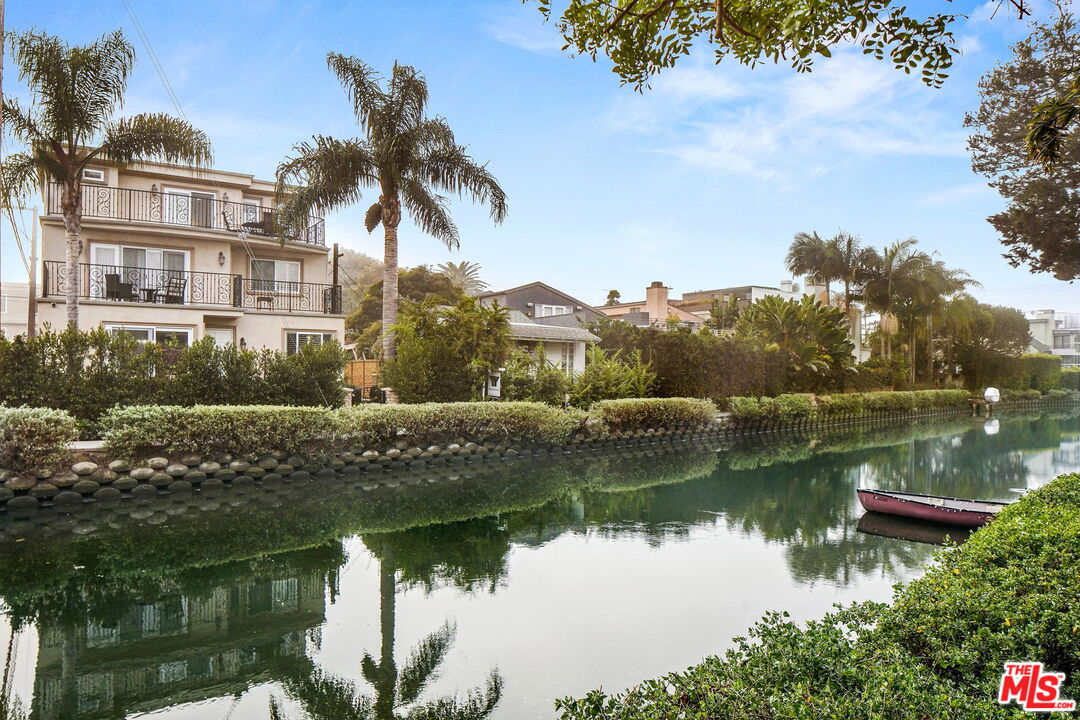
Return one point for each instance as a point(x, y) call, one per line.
point(194, 211)
point(120, 283)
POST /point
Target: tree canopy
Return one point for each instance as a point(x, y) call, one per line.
point(643, 37)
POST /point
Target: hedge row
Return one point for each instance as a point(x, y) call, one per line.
point(795, 407)
point(1070, 378)
point(203, 429)
point(32, 438)
point(1008, 593)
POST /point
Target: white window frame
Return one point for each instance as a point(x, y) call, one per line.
point(208, 332)
point(98, 290)
point(190, 194)
point(549, 310)
point(324, 336)
point(291, 288)
point(93, 175)
point(569, 351)
point(152, 330)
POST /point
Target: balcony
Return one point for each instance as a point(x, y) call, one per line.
point(192, 211)
point(124, 284)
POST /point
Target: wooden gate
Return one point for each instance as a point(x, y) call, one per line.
point(362, 373)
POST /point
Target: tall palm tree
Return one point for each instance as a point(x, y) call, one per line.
point(813, 256)
point(852, 264)
point(884, 272)
point(408, 157)
point(465, 276)
point(76, 91)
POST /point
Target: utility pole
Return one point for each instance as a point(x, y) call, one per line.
point(336, 253)
point(31, 305)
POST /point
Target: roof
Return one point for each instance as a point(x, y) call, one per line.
point(533, 331)
point(493, 293)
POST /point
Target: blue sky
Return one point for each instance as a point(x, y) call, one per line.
point(700, 182)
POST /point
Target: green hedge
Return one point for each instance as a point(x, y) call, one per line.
point(795, 407)
point(35, 438)
point(1008, 593)
point(1070, 378)
point(1040, 371)
point(629, 415)
point(380, 426)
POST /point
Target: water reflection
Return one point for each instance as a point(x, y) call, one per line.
point(156, 606)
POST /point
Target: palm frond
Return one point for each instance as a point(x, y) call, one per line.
point(322, 175)
point(477, 704)
point(430, 212)
point(361, 82)
point(21, 123)
point(20, 176)
point(423, 663)
point(449, 168)
point(408, 97)
point(323, 695)
point(153, 136)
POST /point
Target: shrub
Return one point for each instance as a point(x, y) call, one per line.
point(1020, 395)
point(33, 438)
point(1037, 371)
point(1070, 378)
point(530, 377)
point(652, 413)
point(941, 398)
point(843, 403)
point(611, 377)
point(212, 429)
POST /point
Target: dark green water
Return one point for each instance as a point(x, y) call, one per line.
point(519, 584)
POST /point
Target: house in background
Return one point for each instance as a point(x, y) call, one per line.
point(699, 302)
point(542, 316)
point(176, 254)
point(14, 302)
point(656, 309)
point(1056, 333)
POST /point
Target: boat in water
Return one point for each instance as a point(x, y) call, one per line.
point(932, 508)
point(920, 531)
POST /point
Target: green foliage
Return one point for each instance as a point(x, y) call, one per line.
point(811, 337)
point(651, 413)
point(1040, 371)
point(1070, 378)
point(138, 430)
point(610, 377)
point(1020, 395)
point(700, 364)
point(530, 377)
point(723, 315)
point(937, 652)
point(32, 438)
point(416, 284)
point(86, 373)
point(795, 407)
point(643, 38)
point(444, 353)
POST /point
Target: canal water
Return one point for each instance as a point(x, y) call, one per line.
point(491, 589)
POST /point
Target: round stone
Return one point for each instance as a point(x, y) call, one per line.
point(144, 491)
point(126, 483)
point(158, 463)
point(268, 463)
point(104, 476)
point(68, 497)
point(240, 466)
point(191, 460)
point(5, 494)
point(211, 485)
point(295, 461)
point(44, 490)
point(300, 475)
point(180, 486)
point(19, 484)
point(195, 476)
point(268, 478)
point(370, 455)
point(86, 487)
point(326, 474)
point(84, 468)
point(178, 470)
point(108, 494)
point(22, 503)
point(393, 453)
point(120, 466)
point(257, 472)
point(161, 479)
point(284, 469)
point(64, 479)
point(42, 473)
point(279, 454)
point(142, 474)
point(209, 467)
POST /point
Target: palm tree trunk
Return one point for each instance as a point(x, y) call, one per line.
point(386, 692)
point(391, 218)
point(71, 207)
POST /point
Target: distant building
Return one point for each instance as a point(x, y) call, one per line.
point(692, 310)
point(14, 302)
point(1056, 333)
point(543, 316)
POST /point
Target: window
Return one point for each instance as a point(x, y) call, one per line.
point(1062, 342)
point(567, 359)
point(93, 175)
point(294, 340)
point(275, 276)
point(189, 207)
point(220, 336)
point(152, 333)
point(147, 271)
point(549, 310)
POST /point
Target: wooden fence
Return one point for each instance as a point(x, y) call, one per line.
point(362, 373)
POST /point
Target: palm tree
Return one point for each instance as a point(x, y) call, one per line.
point(883, 272)
point(852, 263)
point(76, 92)
point(813, 256)
point(465, 276)
point(407, 156)
point(1050, 122)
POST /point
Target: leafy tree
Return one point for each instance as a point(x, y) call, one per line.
point(613, 297)
point(529, 376)
point(416, 284)
point(408, 157)
point(989, 349)
point(1041, 224)
point(723, 315)
point(809, 255)
point(76, 91)
point(609, 377)
point(465, 276)
point(445, 353)
point(642, 37)
point(359, 272)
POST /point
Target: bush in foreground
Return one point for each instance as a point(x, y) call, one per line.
point(35, 438)
point(1009, 593)
point(645, 413)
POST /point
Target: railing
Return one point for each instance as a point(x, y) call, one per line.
point(193, 211)
point(119, 283)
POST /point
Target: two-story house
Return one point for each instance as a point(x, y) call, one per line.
point(176, 254)
point(1056, 333)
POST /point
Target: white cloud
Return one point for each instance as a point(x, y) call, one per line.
point(957, 193)
point(521, 28)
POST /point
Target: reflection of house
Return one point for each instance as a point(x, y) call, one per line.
point(542, 315)
point(13, 306)
point(178, 647)
point(1056, 333)
point(176, 254)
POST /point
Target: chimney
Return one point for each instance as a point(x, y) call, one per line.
point(786, 285)
point(656, 301)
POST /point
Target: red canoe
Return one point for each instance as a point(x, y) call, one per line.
point(935, 508)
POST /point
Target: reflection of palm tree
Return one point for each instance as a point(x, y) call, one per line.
point(326, 697)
